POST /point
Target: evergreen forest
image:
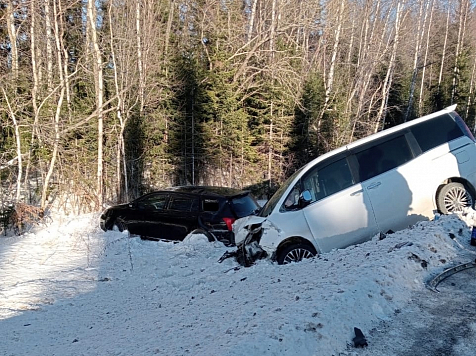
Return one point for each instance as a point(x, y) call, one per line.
point(104, 100)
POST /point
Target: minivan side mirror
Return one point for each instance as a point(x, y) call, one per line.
point(305, 198)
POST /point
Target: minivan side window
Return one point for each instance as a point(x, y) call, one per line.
point(330, 179)
point(432, 133)
point(383, 157)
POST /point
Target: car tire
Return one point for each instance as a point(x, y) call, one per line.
point(119, 225)
point(203, 232)
point(453, 197)
point(295, 252)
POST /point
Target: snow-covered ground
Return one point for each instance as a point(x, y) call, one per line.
point(71, 289)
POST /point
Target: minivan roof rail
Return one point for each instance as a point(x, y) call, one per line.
point(451, 107)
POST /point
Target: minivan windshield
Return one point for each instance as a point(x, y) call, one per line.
point(271, 204)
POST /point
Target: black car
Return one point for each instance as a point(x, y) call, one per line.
point(173, 213)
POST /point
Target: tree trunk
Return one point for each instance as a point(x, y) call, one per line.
point(270, 147)
point(330, 76)
point(425, 59)
point(389, 76)
point(49, 47)
point(58, 35)
point(471, 92)
point(120, 154)
point(416, 58)
point(443, 54)
point(168, 33)
point(16, 129)
point(464, 8)
point(252, 20)
point(140, 64)
point(272, 29)
point(98, 80)
point(12, 34)
point(54, 154)
point(34, 89)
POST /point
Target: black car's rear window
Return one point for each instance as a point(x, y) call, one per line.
point(244, 206)
point(211, 205)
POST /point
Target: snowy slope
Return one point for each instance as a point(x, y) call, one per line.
point(71, 289)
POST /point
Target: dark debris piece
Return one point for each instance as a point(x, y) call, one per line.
point(359, 339)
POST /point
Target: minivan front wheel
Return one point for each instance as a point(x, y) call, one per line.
point(453, 197)
point(295, 253)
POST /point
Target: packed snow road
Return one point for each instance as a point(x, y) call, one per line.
point(437, 324)
point(71, 289)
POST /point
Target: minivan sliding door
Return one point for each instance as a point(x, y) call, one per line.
point(340, 212)
point(380, 173)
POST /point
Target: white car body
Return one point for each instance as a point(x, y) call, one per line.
point(368, 203)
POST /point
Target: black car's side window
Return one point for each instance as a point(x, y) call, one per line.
point(184, 203)
point(383, 157)
point(154, 202)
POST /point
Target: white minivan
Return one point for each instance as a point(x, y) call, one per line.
point(379, 184)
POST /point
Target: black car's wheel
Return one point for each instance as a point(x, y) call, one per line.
point(119, 225)
point(202, 232)
point(295, 253)
point(453, 197)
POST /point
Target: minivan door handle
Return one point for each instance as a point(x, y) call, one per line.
point(374, 185)
point(357, 192)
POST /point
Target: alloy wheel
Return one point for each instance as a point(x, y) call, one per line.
point(457, 198)
point(297, 254)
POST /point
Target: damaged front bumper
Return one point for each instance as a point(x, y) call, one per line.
point(250, 232)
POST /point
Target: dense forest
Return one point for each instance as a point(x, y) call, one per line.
point(104, 100)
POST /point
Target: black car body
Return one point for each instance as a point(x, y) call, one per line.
point(173, 213)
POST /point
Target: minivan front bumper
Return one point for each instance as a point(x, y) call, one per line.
point(256, 238)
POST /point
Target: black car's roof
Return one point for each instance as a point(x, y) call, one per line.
point(207, 190)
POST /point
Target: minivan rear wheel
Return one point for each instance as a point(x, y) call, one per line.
point(453, 197)
point(295, 253)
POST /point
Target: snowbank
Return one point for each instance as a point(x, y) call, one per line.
point(71, 289)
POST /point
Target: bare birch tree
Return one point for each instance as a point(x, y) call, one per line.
point(443, 54)
point(335, 49)
point(422, 18)
point(463, 15)
point(58, 35)
point(18, 145)
point(13, 35)
point(425, 58)
point(93, 43)
point(381, 116)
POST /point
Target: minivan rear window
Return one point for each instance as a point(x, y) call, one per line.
point(432, 133)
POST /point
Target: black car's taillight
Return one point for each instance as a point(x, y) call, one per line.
point(229, 222)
